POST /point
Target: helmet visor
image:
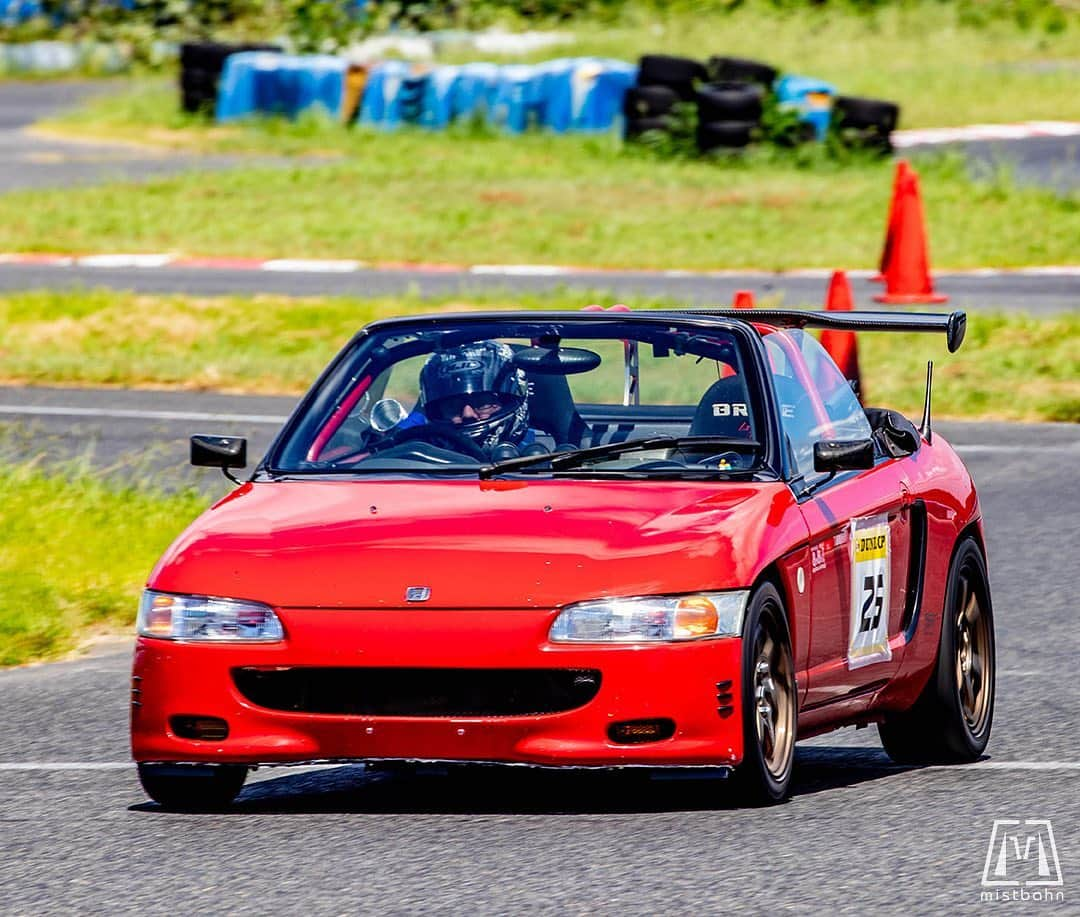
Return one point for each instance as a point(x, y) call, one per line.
point(466, 408)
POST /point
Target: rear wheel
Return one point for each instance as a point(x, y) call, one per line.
point(951, 720)
point(192, 787)
point(769, 701)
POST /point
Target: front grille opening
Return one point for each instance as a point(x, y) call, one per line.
point(207, 728)
point(418, 692)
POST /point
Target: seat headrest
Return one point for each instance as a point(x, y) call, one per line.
point(724, 410)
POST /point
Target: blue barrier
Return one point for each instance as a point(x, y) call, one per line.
point(391, 94)
point(568, 94)
point(597, 91)
point(810, 97)
point(263, 82)
point(13, 12)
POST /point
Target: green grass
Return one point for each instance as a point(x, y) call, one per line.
point(1011, 367)
point(933, 58)
point(75, 552)
point(474, 199)
point(946, 63)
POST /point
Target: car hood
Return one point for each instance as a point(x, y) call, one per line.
point(497, 544)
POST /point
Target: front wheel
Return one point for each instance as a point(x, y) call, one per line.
point(950, 722)
point(768, 702)
point(192, 787)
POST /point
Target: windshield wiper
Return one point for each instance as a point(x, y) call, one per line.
point(567, 459)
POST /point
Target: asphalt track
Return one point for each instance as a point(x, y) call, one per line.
point(859, 835)
point(1038, 294)
point(29, 161)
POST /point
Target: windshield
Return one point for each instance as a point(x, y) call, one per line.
point(466, 397)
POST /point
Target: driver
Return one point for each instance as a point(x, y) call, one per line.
point(476, 391)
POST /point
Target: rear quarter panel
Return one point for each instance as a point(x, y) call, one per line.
point(939, 478)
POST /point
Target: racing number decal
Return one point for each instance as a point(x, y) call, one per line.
point(869, 592)
point(873, 600)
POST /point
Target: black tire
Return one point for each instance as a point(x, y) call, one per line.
point(742, 70)
point(192, 788)
point(794, 134)
point(648, 101)
point(203, 55)
point(849, 111)
point(664, 70)
point(866, 138)
point(764, 777)
point(941, 727)
point(198, 81)
point(635, 127)
point(210, 55)
point(725, 135)
point(680, 74)
point(729, 102)
point(193, 102)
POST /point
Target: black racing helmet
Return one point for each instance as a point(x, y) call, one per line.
point(470, 374)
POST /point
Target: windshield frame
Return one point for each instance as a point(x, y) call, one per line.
point(533, 325)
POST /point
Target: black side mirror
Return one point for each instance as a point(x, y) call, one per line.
point(224, 452)
point(853, 455)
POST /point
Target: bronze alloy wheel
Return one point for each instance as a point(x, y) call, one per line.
point(769, 702)
point(951, 719)
point(974, 656)
point(774, 702)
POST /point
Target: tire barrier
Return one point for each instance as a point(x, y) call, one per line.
point(635, 127)
point(680, 74)
point(201, 66)
point(809, 98)
point(569, 94)
point(730, 102)
point(866, 123)
point(728, 97)
point(741, 70)
point(720, 106)
point(726, 135)
point(15, 12)
point(281, 84)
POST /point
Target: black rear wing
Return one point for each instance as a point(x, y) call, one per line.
point(953, 324)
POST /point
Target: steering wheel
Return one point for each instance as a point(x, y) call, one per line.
point(442, 436)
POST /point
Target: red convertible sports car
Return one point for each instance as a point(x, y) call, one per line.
point(596, 539)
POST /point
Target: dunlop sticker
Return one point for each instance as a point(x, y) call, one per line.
point(870, 590)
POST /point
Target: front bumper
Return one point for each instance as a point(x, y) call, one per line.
point(678, 681)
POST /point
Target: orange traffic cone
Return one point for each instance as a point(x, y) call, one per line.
point(902, 170)
point(744, 299)
point(907, 271)
point(841, 345)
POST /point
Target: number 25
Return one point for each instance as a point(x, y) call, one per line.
point(874, 590)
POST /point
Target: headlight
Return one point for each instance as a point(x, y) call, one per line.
point(651, 618)
point(201, 617)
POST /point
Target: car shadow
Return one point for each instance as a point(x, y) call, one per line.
point(493, 790)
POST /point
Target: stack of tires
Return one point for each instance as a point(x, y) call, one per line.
point(663, 82)
point(201, 63)
point(731, 104)
point(728, 94)
point(865, 123)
